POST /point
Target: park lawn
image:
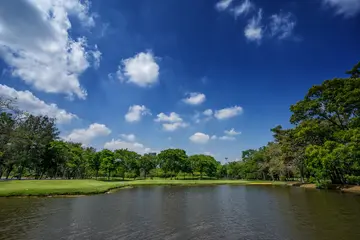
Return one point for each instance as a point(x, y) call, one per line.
point(54, 187)
point(86, 187)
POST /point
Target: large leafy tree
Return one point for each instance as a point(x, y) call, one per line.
point(172, 160)
point(204, 164)
point(147, 162)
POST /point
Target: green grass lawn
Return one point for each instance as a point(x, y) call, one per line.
point(54, 187)
point(85, 187)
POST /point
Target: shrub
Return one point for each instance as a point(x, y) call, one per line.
point(323, 184)
point(352, 179)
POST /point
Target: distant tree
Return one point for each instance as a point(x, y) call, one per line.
point(108, 163)
point(147, 162)
point(171, 160)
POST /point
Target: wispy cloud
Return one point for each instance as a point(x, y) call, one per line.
point(347, 8)
point(223, 5)
point(282, 25)
point(243, 9)
point(254, 30)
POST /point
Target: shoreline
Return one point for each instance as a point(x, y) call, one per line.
point(68, 189)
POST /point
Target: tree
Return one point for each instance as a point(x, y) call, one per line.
point(204, 164)
point(355, 71)
point(95, 163)
point(171, 160)
point(147, 162)
point(107, 162)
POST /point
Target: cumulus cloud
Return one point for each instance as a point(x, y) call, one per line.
point(86, 135)
point(227, 138)
point(213, 137)
point(347, 8)
point(254, 29)
point(282, 25)
point(170, 127)
point(115, 144)
point(26, 101)
point(223, 5)
point(141, 70)
point(35, 43)
point(135, 113)
point(242, 9)
point(128, 137)
point(208, 112)
point(232, 132)
point(195, 98)
point(171, 122)
point(96, 54)
point(200, 138)
point(230, 112)
point(172, 117)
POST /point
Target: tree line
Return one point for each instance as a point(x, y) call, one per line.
point(323, 146)
point(30, 147)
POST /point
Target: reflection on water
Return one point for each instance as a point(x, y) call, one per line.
point(220, 212)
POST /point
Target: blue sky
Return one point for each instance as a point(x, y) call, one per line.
point(207, 76)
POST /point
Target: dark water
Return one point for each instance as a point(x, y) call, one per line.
point(221, 212)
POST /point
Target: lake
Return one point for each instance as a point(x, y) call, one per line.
point(216, 212)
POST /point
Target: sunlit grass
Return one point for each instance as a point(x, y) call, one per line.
point(86, 187)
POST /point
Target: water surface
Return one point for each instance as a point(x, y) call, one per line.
point(218, 212)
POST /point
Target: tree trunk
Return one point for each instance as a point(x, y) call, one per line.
point(20, 172)
point(9, 170)
point(145, 174)
point(201, 174)
point(97, 173)
point(109, 174)
point(184, 176)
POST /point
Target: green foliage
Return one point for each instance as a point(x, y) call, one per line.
point(323, 146)
point(353, 179)
point(172, 160)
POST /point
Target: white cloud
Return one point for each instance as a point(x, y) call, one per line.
point(172, 117)
point(348, 8)
point(128, 137)
point(135, 113)
point(141, 70)
point(254, 30)
point(223, 4)
point(96, 54)
point(282, 25)
point(213, 137)
point(199, 138)
point(195, 98)
point(196, 117)
point(35, 43)
point(171, 122)
point(132, 146)
point(228, 112)
point(227, 138)
point(170, 127)
point(208, 112)
point(243, 8)
point(26, 101)
point(86, 135)
point(232, 132)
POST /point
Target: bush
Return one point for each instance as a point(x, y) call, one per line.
point(282, 178)
point(355, 180)
point(323, 184)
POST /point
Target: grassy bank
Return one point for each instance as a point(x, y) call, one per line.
point(86, 187)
